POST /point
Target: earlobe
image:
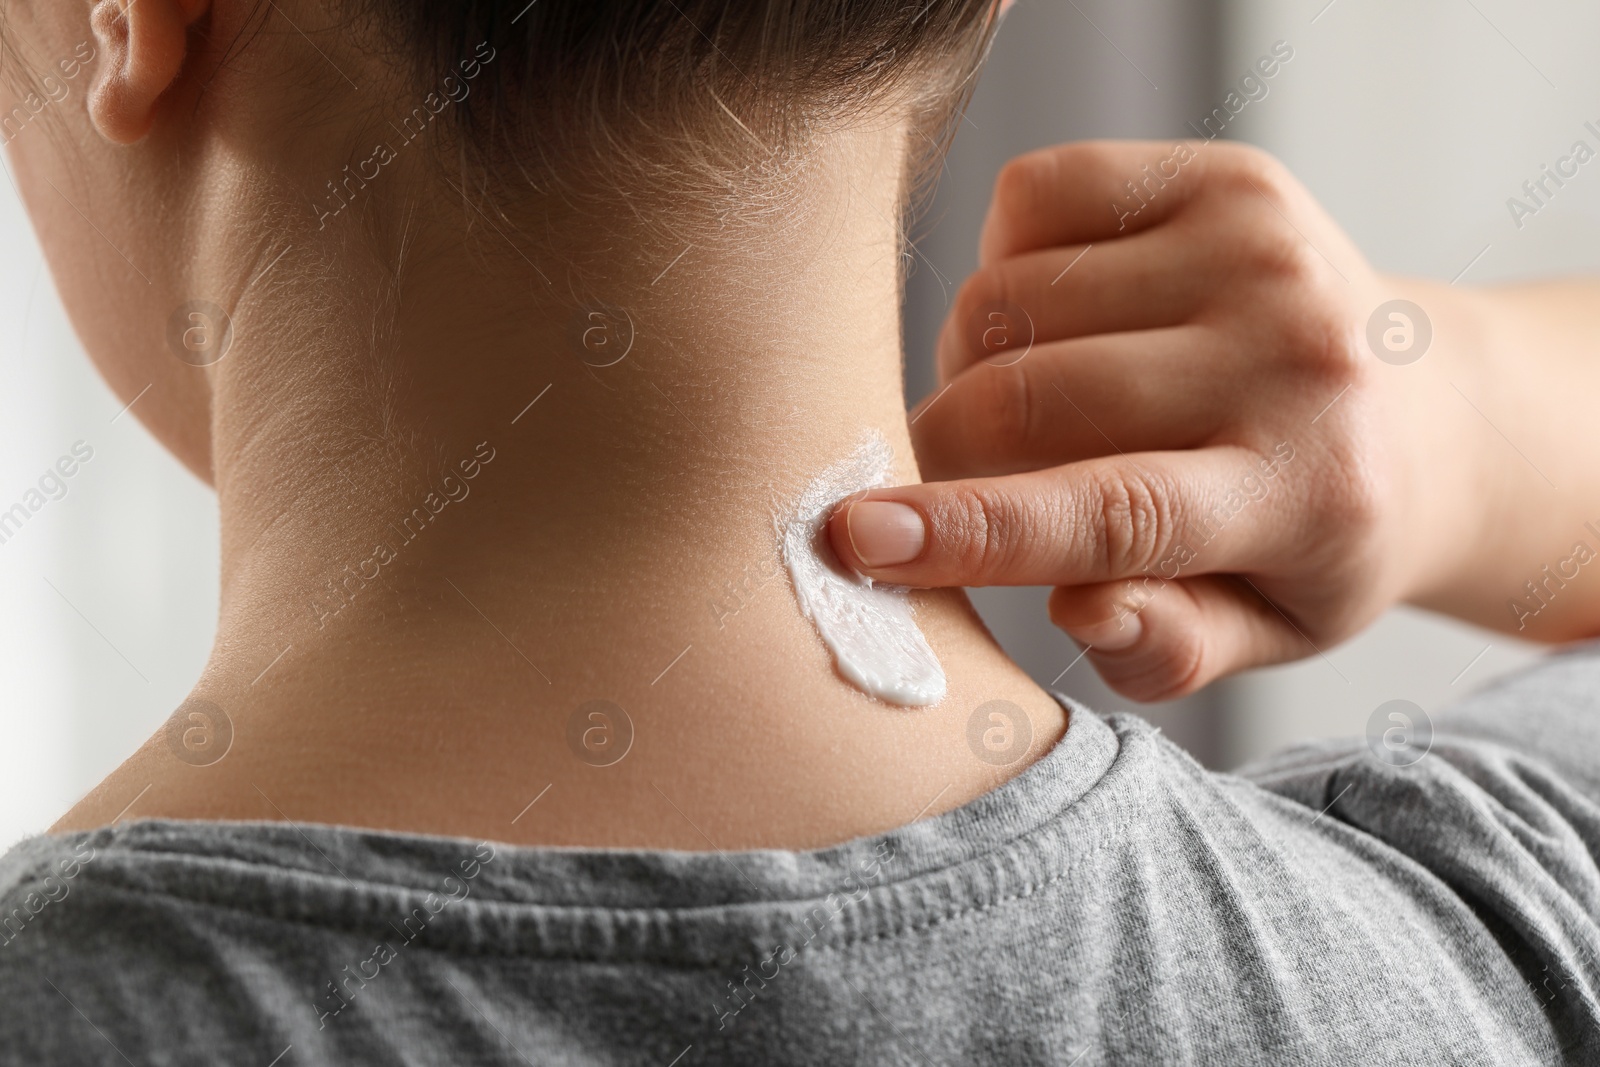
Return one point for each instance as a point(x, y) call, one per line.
point(143, 45)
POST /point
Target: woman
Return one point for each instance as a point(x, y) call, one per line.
point(528, 347)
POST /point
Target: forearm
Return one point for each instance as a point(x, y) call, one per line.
point(1513, 456)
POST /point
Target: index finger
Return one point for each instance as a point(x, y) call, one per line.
point(1188, 512)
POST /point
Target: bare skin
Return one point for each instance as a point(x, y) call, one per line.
point(612, 541)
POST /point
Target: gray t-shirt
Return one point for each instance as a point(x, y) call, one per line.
point(1114, 904)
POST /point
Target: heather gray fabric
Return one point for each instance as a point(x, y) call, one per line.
point(1115, 904)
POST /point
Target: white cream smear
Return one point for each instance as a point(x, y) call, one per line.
point(876, 644)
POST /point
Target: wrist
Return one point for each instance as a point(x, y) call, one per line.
point(1452, 482)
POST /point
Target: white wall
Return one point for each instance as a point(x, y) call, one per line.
point(132, 546)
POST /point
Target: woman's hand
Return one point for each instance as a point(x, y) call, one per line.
point(1161, 394)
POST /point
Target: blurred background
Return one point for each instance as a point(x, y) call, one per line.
point(1412, 124)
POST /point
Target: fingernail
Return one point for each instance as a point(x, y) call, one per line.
point(884, 533)
point(1112, 635)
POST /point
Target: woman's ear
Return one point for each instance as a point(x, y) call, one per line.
point(143, 45)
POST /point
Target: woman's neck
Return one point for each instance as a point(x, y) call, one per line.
point(464, 501)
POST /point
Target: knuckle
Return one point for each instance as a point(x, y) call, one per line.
point(1353, 500)
point(1329, 349)
point(1248, 169)
point(1133, 517)
point(1261, 200)
point(977, 289)
point(1296, 263)
point(996, 531)
point(985, 289)
point(986, 528)
point(990, 313)
point(1272, 249)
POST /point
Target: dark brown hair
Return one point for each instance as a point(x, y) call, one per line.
point(696, 77)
